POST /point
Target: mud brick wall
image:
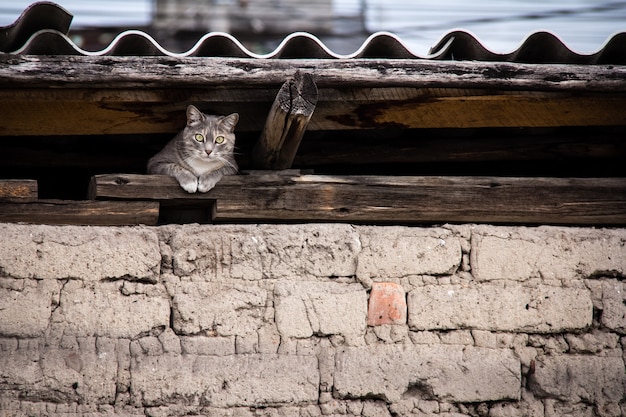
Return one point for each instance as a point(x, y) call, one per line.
point(312, 320)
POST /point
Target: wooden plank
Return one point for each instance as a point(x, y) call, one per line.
point(272, 196)
point(18, 190)
point(104, 213)
point(46, 112)
point(286, 123)
point(139, 187)
point(519, 109)
point(28, 71)
point(78, 111)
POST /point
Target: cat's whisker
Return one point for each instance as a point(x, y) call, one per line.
point(228, 163)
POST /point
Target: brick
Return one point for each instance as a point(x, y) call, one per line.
point(86, 253)
point(93, 373)
point(387, 304)
point(457, 337)
point(20, 368)
point(576, 378)
point(593, 342)
point(321, 308)
point(484, 338)
point(221, 252)
point(544, 309)
point(218, 308)
point(251, 380)
point(546, 252)
point(89, 309)
point(446, 373)
point(614, 306)
point(395, 252)
point(203, 345)
point(26, 313)
point(170, 342)
point(49, 374)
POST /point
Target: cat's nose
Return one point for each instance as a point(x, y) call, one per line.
point(208, 151)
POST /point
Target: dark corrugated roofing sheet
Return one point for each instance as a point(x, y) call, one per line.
point(42, 30)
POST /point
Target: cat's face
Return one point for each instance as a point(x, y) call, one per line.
point(209, 138)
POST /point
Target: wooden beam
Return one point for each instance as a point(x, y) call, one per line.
point(286, 123)
point(275, 196)
point(104, 213)
point(472, 110)
point(97, 72)
point(18, 190)
point(81, 111)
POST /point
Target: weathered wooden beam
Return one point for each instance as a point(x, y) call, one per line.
point(104, 213)
point(275, 196)
point(472, 110)
point(80, 111)
point(28, 71)
point(18, 190)
point(286, 123)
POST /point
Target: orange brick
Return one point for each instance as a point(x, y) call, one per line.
point(387, 304)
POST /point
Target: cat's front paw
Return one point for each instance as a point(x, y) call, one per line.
point(191, 186)
point(206, 184)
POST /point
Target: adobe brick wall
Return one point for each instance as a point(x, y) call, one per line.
point(312, 320)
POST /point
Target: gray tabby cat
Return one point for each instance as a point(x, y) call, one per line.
point(201, 154)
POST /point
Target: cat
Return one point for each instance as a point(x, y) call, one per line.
point(201, 154)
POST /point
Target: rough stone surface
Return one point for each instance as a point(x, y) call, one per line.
point(272, 320)
point(387, 304)
point(223, 309)
point(225, 381)
point(446, 372)
point(578, 378)
point(259, 252)
point(38, 299)
point(614, 305)
point(543, 309)
point(104, 310)
point(90, 254)
point(395, 252)
point(519, 253)
point(63, 375)
point(321, 308)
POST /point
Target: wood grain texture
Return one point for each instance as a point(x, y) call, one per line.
point(286, 123)
point(104, 213)
point(276, 196)
point(153, 72)
point(18, 190)
point(80, 111)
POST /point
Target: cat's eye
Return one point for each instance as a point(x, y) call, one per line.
point(199, 137)
point(219, 139)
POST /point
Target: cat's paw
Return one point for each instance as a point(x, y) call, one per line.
point(191, 186)
point(206, 184)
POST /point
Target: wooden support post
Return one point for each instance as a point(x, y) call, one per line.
point(286, 123)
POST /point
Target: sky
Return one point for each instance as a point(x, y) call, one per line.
point(502, 25)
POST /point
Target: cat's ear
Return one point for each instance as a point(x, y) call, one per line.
point(230, 121)
point(194, 116)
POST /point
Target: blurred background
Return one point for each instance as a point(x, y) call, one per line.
point(343, 25)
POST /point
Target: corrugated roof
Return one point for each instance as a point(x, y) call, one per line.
point(42, 29)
